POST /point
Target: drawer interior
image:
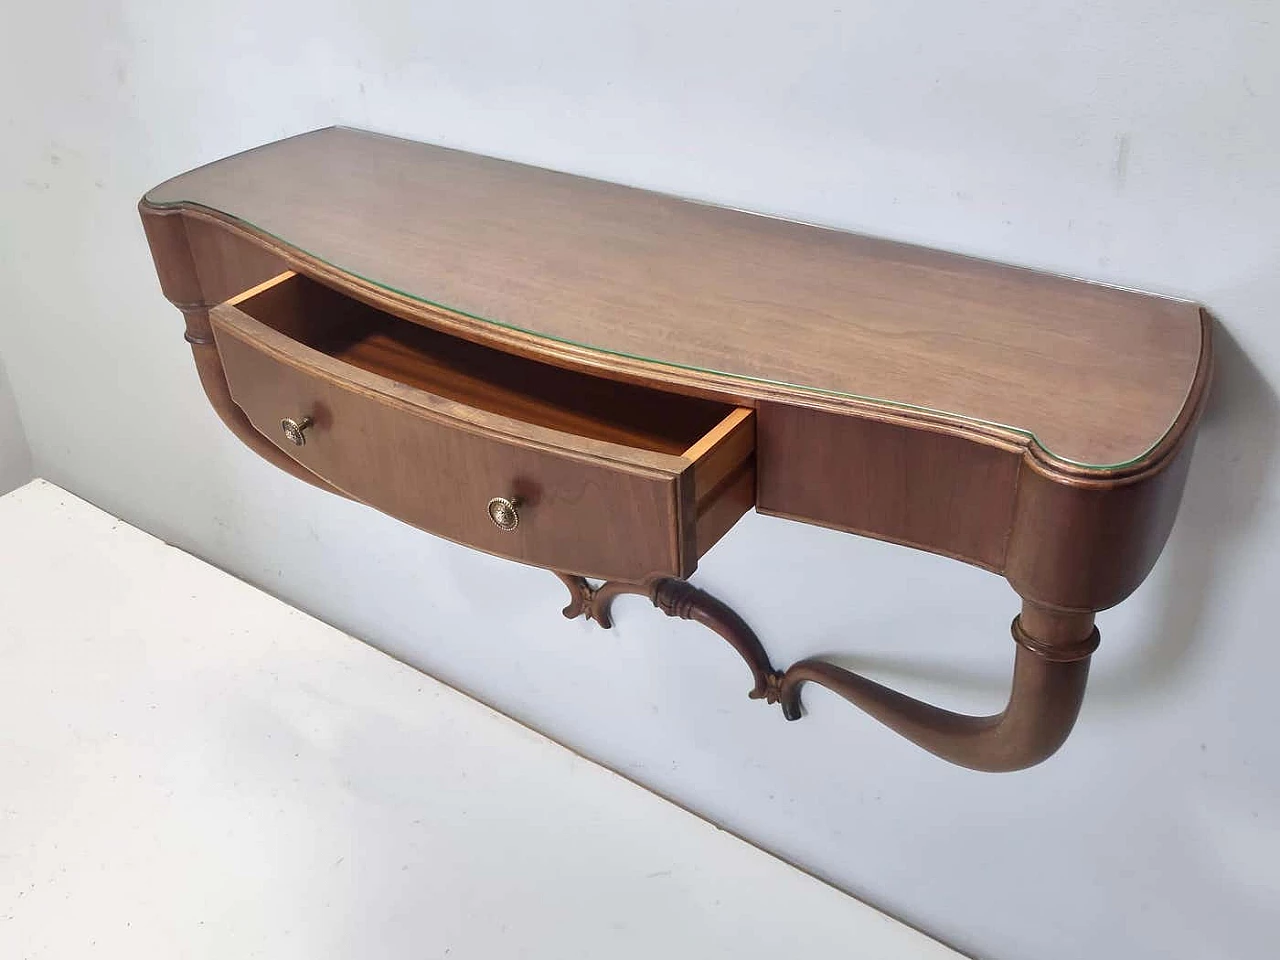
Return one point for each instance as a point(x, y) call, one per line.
point(480, 377)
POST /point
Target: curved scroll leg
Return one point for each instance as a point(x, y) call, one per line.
point(581, 594)
point(678, 598)
point(1049, 676)
point(602, 599)
point(1050, 671)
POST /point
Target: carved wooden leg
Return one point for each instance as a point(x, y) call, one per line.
point(1050, 670)
point(679, 598)
point(580, 594)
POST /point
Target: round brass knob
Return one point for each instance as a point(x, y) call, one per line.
point(295, 430)
point(504, 513)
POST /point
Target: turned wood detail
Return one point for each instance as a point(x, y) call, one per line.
point(1051, 670)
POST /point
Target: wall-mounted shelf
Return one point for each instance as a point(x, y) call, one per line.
point(600, 381)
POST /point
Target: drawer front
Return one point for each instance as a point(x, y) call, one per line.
point(598, 509)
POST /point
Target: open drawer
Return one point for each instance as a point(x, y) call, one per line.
point(506, 454)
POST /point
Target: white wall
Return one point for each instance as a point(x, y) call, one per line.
point(15, 455)
point(1132, 141)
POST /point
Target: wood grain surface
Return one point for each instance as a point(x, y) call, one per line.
point(943, 493)
point(1096, 374)
point(395, 436)
point(477, 376)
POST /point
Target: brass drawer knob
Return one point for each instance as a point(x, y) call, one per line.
point(295, 430)
point(504, 513)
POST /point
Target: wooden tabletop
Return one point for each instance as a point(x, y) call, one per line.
point(1096, 374)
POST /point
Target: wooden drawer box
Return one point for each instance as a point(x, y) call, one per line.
point(608, 480)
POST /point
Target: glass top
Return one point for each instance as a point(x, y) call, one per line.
point(1096, 375)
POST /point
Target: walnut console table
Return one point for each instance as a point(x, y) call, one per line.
point(600, 381)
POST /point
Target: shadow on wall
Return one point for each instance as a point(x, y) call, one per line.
point(15, 456)
point(1233, 460)
point(1230, 467)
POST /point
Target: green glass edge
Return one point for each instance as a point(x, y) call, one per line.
point(821, 391)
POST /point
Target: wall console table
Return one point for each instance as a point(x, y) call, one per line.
point(600, 381)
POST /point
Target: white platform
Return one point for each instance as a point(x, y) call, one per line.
point(189, 767)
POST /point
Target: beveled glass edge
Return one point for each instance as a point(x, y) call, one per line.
point(818, 391)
